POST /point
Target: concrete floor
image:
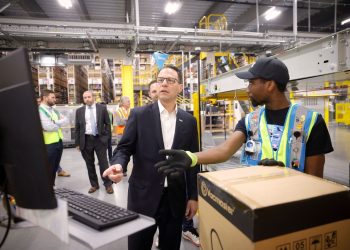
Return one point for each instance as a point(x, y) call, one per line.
point(35, 238)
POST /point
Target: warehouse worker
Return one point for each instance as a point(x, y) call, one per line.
point(122, 114)
point(121, 118)
point(153, 87)
point(150, 128)
point(60, 171)
point(51, 122)
point(278, 131)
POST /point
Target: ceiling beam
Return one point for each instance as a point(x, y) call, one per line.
point(32, 8)
point(281, 3)
point(80, 7)
point(129, 11)
point(217, 8)
point(166, 38)
point(91, 42)
point(173, 44)
point(323, 16)
point(9, 37)
point(324, 20)
point(5, 7)
point(247, 20)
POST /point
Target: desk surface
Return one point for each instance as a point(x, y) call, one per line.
point(96, 239)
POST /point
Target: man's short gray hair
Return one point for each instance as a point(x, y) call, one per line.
point(124, 99)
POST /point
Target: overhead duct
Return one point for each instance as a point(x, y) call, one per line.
point(79, 59)
point(60, 59)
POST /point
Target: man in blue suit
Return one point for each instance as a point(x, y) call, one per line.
point(161, 125)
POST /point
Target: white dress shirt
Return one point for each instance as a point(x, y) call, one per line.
point(168, 124)
point(47, 123)
point(88, 128)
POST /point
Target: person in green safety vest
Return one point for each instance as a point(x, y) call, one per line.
point(51, 122)
point(60, 170)
point(277, 133)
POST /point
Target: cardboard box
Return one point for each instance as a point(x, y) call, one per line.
point(264, 208)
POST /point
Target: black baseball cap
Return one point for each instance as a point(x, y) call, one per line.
point(269, 68)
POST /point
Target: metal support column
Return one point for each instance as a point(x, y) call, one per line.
point(295, 19)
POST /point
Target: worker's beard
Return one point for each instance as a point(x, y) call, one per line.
point(254, 102)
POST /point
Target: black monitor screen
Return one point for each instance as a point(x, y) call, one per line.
point(24, 167)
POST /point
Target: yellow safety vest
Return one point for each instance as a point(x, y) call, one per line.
point(51, 136)
point(122, 114)
point(291, 150)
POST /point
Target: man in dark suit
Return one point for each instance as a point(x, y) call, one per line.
point(160, 125)
point(92, 128)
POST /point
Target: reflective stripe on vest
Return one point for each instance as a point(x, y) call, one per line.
point(122, 114)
point(291, 149)
point(51, 136)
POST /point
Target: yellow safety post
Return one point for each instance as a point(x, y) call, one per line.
point(347, 105)
point(340, 112)
point(196, 109)
point(326, 105)
point(128, 83)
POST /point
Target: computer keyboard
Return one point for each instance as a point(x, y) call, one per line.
point(92, 212)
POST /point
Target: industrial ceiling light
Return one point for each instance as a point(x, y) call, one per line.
point(271, 13)
point(66, 3)
point(172, 7)
point(345, 21)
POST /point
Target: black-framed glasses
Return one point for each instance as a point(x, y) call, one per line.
point(169, 80)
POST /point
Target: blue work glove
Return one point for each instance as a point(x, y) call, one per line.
point(177, 162)
point(270, 162)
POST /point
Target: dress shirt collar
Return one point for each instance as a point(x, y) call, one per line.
point(161, 108)
point(93, 106)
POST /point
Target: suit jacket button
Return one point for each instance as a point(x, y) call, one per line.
point(162, 184)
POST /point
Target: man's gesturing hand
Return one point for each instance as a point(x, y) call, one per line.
point(177, 161)
point(114, 173)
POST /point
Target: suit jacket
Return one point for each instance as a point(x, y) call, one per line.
point(103, 125)
point(143, 139)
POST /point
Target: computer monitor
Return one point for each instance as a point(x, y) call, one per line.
point(24, 167)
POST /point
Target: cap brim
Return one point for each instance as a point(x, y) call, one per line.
point(245, 75)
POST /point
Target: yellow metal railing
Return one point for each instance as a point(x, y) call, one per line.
point(213, 22)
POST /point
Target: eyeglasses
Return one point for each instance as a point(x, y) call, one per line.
point(169, 80)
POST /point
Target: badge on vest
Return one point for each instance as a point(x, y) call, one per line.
point(250, 147)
